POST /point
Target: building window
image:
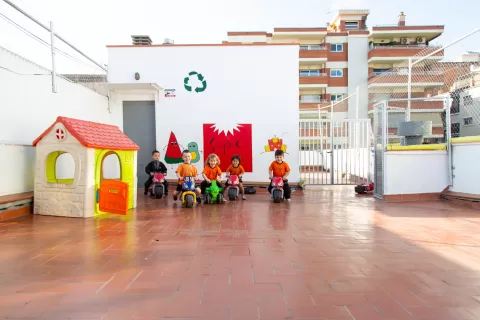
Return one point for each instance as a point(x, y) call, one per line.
point(468, 121)
point(380, 71)
point(336, 47)
point(310, 47)
point(310, 98)
point(467, 100)
point(455, 107)
point(351, 24)
point(336, 73)
point(455, 128)
point(336, 97)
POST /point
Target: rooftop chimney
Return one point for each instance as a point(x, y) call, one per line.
point(141, 40)
point(401, 19)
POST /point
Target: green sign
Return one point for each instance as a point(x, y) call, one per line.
point(200, 78)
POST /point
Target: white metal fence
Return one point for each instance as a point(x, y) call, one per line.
point(335, 152)
point(37, 41)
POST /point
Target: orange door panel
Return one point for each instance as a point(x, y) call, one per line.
point(113, 197)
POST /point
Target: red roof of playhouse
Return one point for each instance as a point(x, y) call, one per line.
point(94, 135)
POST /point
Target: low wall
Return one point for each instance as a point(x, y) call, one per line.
point(418, 173)
point(17, 168)
point(466, 167)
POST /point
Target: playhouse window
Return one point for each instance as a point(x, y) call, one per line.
point(111, 169)
point(60, 168)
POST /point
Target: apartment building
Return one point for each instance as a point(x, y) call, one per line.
point(465, 94)
point(346, 56)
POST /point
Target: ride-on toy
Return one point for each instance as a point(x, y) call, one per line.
point(213, 194)
point(157, 189)
point(364, 188)
point(188, 192)
point(277, 189)
point(233, 189)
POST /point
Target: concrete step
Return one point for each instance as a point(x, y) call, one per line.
point(467, 199)
point(16, 205)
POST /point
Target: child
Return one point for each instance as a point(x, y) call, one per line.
point(155, 166)
point(279, 168)
point(212, 171)
point(186, 169)
point(236, 169)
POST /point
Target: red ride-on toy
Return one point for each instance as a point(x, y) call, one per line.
point(233, 189)
point(364, 188)
point(277, 189)
point(157, 189)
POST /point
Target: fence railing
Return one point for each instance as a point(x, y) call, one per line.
point(39, 43)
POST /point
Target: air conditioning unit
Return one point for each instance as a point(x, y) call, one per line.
point(403, 40)
point(420, 40)
point(168, 41)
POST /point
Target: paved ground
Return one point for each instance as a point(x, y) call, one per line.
point(326, 255)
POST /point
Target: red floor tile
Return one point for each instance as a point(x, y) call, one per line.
point(327, 255)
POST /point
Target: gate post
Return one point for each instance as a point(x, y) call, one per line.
point(332, 177)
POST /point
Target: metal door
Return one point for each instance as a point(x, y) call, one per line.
point(139, 125)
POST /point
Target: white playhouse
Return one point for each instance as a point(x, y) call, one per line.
point(80, 188)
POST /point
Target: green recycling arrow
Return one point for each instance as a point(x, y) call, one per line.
point(200, 78)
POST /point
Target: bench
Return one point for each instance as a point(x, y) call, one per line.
point(16, 205)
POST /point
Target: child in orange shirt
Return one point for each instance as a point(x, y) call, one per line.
point(186, 169)
point(211, 171)
point(236, 169)
point(280, 168)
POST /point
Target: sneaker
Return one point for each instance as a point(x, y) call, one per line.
point(288, 200)
point(145, 193)
point(243, 197)
point(224, 200)
point(175, 198)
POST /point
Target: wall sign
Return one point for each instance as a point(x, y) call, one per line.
point(170, 93)
point(188, 85)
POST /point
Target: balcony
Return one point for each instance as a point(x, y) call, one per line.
point(396, 31)
point(313, 54)
point(309, 105)
point(299, 33)
point(320, 81)
point(425, 79)
point(396, 54)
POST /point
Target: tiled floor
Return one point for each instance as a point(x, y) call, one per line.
point(326, 255)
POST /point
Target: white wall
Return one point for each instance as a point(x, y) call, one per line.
point(249, 84)
point(28, 107)
point(413, 172)
point(467, 171)
point(358, 75)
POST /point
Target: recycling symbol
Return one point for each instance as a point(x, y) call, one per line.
point(200, 78)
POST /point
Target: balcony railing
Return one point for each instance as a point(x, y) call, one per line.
point(410, 46)
point(313, 75)
point(405, 73)
point(313, 47)
point(314, 101)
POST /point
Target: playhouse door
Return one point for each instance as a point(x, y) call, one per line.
point(113, 197)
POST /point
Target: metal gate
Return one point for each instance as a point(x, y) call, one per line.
point(335, 153)
point(379, 138)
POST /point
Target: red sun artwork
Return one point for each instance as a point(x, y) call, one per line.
point(226, 141)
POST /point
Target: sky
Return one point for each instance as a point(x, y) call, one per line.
point(90, 25)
